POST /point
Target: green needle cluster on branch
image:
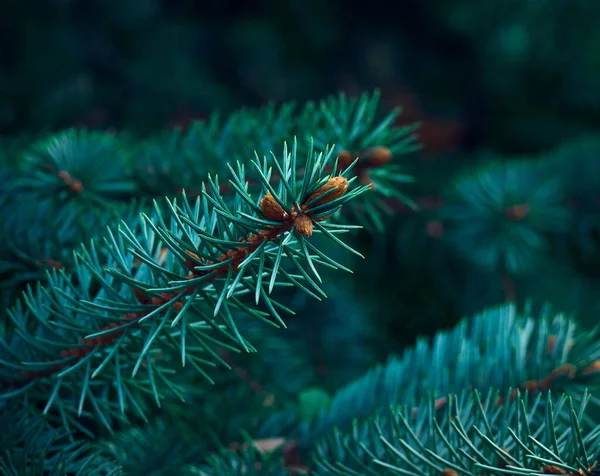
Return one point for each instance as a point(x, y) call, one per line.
point(501, 393)
point(57, 192)
point(82, 342)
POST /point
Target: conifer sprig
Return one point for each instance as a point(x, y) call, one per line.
point(76, 162)
point(530, 352)
point(79, 169)
point(354, 125)
point(81, 342)
point(418, 404)
point(473, 436)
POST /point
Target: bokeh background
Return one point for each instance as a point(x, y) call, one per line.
point(480, 73)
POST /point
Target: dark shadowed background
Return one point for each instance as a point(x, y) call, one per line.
point(480, 72)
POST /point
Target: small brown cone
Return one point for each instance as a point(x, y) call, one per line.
point(339, 186)
point(379, 156)
point(271, 209)
point(303, 225)
point(65, 176)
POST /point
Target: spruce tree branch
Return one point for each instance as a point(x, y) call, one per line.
point(530, 436)
point(487, 414)
point(531, 354)
point(217, 255)
point(79, 168)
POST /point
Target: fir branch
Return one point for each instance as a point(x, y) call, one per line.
point(354, 125)
point(64, 169)
point(218, 255)
point(500, 348)
point(272, 456)
point(179, 438)
point(159, 448)
point(193, 154)
point(471, 437)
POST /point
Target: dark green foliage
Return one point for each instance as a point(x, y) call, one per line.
point(576, 162)
point(249, 462)
point(30, 446)
point(153, 449)
point(520, 348)
point(500, 215)
point(40, 236)
point(60, 165)
point(473, 435)
point(536, 64)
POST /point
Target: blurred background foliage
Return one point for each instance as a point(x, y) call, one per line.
point(480, 73)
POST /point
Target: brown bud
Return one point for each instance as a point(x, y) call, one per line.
point(378, 156)
point(339, 186)
point(518, 212)
point(303, 225)
point(76, 186)
point(271, 208)
point(65, 176)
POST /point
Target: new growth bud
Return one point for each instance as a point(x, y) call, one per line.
point(339, 185)
point(271, 208)
point(303, 225)
point(378, 156)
